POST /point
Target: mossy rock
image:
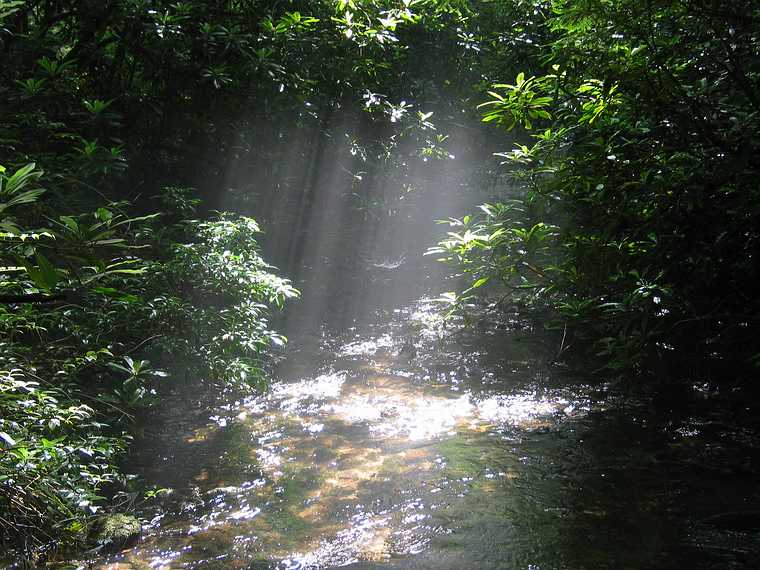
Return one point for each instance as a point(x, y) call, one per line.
point(119, 530)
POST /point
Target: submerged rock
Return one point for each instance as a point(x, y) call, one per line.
point(119, 530)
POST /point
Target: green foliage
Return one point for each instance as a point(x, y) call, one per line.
point(521, 103)
point(98, 301)
point(14, 191)
point(55, 460)
point(504, 244)
point(645, 161)
point(68, 392)
point(220, 325)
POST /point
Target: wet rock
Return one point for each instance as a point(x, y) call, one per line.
point(118, 531)
point(390, 411)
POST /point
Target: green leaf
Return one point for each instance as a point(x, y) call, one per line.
point(116, 294)
point(638, 49)
point(20, 178)
point(103, 214)
point(48, 273)
point(25, 197)
point(44, 276)
point(70, 222)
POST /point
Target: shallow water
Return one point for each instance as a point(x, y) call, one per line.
point(405, 443)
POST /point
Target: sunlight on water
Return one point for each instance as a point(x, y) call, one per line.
point(355, 464)
point(428, 317)
point(517, 409)
point(321, 387)
point(367, 347)
point(391, 409)
point(366, 535)
point(416, 418)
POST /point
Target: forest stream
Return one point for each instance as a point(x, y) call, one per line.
point(380, 285)
point(390, 438)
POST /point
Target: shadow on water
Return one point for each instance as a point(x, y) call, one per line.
point(391, 440)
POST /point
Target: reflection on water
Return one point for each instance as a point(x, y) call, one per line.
point(414, 445)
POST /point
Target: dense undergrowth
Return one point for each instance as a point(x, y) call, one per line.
point(106, 294)
point(631, 209)
point(637, 219)
point(99, 311)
